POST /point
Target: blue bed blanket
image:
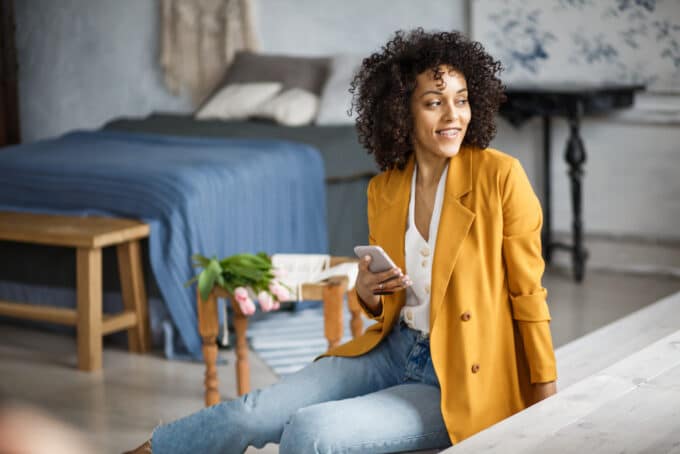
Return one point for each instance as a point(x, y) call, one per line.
point(209, 196)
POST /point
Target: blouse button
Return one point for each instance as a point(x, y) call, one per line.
point(475, 368)
point(424, 263)
point(427, 289)
point(465, 316)
point(409, 315)
point(425, 252)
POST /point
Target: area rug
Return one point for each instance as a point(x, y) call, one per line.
point(288, 340)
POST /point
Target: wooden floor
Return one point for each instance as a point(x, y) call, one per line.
point(117, 408)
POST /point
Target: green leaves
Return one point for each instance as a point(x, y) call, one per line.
point(240, 270)
point(207, 278)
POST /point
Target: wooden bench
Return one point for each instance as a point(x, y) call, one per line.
point(88, 235)
point(331, 292)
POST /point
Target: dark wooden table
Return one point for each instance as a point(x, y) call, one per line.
point(571, 102)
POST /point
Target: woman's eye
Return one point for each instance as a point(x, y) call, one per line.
point(433, 103)
point(462, 102)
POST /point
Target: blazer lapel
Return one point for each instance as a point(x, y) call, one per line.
point(454, 226)
point(390, 227)
point(393, 214)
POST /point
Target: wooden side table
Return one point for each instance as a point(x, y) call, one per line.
point(330, 292)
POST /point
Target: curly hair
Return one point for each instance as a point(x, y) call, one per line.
point(382, 88)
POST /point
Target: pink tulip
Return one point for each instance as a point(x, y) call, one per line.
point(279, 272)
point(247, 307)
point(245, 304)
point(266, 301)
point(240, 294)
point(279, 291)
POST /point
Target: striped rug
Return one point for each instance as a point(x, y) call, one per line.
point(288, 340)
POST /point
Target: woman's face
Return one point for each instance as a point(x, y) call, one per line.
point(441, 112)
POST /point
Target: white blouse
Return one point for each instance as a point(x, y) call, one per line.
point(419, 255)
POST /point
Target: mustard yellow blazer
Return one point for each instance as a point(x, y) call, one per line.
point(489, 324)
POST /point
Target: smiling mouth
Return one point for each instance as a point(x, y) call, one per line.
point(449, 132)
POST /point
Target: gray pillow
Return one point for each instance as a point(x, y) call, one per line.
point(307, 73)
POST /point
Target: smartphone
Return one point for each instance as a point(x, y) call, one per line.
point(380, 261)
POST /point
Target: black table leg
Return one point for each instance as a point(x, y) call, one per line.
point(575, 156)
point(546, 234)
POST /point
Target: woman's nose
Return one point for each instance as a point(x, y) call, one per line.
point(450, 112)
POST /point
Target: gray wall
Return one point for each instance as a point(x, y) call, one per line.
point(83, 62)
point(631, 181)
point(320, 27)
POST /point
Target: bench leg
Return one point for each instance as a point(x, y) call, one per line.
point(134, 294)
point(332, 313)
point(89, 324)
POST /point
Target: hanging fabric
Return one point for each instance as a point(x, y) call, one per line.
point(198, 41)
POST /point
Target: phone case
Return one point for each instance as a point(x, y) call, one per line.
point(380, 261)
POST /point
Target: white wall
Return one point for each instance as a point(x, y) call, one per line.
point(83, 62)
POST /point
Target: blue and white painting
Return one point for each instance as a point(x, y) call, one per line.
point(583, 41)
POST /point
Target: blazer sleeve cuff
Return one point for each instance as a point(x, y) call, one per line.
point(539, 351)
point(379, 317)
point(530, 308)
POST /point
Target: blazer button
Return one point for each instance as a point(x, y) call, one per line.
point(465, 316)
point(475, 368)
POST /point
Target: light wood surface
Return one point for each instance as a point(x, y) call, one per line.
point(88, 235)
point(331, 292)
point(73, 231)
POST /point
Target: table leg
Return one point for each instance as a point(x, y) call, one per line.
point(356, 324)
point(242, 364)
point(547, 191)
point(575, 156)
point(208, 323)
point(332, 313)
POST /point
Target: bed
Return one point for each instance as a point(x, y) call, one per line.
point(348, 167)
point(199, 195)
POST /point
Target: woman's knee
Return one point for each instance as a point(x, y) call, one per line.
point(309, 431)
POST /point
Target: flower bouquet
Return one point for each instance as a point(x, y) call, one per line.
point(245, 276)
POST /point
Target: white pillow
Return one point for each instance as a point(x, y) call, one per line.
point(238, 101)
point(294, 107)
point(335, 96)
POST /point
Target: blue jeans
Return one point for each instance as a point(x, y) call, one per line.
point(387, 400)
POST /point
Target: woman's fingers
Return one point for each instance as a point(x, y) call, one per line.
point(392, 284)
point(383, 282)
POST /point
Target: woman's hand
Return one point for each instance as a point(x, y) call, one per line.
point(370, 285)
point(543, 390)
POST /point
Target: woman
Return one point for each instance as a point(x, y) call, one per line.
point(461, 341)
